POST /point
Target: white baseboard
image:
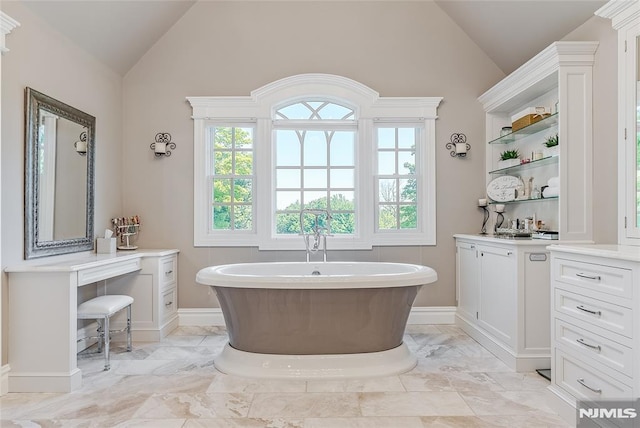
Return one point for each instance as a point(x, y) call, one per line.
point(432, 315)
point(200, 317)
point(418, 315)
point(4, 379)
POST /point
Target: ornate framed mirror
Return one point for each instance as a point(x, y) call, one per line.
point(59, 177)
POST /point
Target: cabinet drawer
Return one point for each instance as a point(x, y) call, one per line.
point(99, 273)
point(169, 304)
point(590, 345)
point(168, 268)
point(602, 314)
point(586, 382)
point(605, 279)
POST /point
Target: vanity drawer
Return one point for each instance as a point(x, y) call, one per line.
point(168, 270)
point(590, 345)
point(612, 280)
point(110, 270)
point(597, 312)
point(586, 382)
point(169, 304)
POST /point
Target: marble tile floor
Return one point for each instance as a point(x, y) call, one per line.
point(457, 383)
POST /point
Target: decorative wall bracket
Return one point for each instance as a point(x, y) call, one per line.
point(162, 144)
point(458, 145)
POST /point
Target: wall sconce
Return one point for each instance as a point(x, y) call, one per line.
point(458, 145)
point(163, 144)
point(81, 144)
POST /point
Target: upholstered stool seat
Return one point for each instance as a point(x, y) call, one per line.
point(102, 308)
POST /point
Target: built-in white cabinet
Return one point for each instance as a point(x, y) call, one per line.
point(503, 298)
point(594, 320)
point(43, 355)
point(560, 79)
point(154, 289)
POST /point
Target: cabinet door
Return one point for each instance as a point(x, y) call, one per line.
point(497, 300)
point(467, 284)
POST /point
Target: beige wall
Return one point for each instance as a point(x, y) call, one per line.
point(232, 48)
point(46, 61)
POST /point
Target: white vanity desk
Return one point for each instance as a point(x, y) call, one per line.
point(43, 300)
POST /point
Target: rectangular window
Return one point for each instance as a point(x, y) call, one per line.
point(396, 178)
point(315, 168)
point(231, 177)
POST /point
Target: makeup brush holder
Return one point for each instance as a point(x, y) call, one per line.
point(126, 233)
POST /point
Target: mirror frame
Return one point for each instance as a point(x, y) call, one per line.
point(33, 247)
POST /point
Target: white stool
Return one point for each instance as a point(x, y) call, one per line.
point(101, 309)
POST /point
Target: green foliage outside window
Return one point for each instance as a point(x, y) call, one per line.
point(233, 194)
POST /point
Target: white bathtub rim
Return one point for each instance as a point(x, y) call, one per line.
point(309, 367)
point(240, 275)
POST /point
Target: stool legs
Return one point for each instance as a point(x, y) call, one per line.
point(107, 339)
point(129, 328)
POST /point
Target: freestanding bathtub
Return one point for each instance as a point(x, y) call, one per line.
point(309, 320)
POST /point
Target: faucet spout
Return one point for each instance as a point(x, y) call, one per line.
point(318, 232)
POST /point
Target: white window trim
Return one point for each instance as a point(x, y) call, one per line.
point(258, 108)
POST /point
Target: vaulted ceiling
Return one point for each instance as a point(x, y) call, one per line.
point(118, 33)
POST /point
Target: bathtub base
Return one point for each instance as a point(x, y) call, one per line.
point(331, 366)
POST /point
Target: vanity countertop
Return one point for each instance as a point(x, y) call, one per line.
point(84, 260)
point(511, 241)
point(612, 251)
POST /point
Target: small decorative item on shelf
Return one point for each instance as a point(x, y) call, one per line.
point(551, 146)
point(125, 228)
point(529, 116)
point(513, 233)
point(499, 217)
point(509, 158)
point(506, 130)
point(482, 203)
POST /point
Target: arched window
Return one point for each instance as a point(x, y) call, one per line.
point(315, 165)
point(319, 142)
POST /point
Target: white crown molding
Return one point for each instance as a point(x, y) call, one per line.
point(312, 79)
point(7, 24)
point(534, 72)
point(309, 85)
point(621, 12)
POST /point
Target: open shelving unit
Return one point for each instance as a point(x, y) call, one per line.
point(560, 75)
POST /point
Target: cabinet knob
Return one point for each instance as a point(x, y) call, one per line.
point(168, 272)
point(169, 303)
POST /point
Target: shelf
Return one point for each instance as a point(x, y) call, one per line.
point(545, 123)
point(524, 166)
point(518, 201)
